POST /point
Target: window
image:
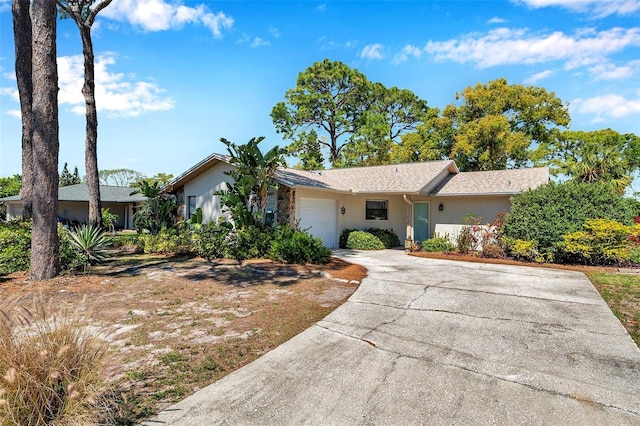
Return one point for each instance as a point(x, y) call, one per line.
point(377, 210)
point(192, 206)
point(271, 212)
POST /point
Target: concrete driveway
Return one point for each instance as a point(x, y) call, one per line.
point(427, 341)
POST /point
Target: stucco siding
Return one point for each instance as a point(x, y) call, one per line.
point(203, 188)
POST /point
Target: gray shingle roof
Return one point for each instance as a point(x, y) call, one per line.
point(394, 178)
point(512, 181)
point(80, 192)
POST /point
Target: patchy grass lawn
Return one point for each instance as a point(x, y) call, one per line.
point(621, 290)
point(175, 325)
point(622, 294)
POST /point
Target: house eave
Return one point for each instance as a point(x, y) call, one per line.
point(194, 171)
point(476, 194)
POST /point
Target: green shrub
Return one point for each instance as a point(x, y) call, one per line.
point(211, 240)
point(360, 240)
point(167, 241)
point(91, 242)
point(601, 242)
point(387, 236)
point(547, 213)
point(251, 242)
point(126, 241)
point(342, 243)
point(437, 244)
point(526, 250)
point(15, 248)
point(296, 246)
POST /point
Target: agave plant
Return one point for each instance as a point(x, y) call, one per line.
point(91, 241)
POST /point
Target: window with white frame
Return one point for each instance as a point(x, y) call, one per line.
point(271, 208)
point(377, 210)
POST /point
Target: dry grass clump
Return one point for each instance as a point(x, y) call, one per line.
point(50, 366)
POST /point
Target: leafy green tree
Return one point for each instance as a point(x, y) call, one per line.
point(66, 178)
point(253, 176)
point(495, 125)
point(427, 143)
point(120, 177)
point(306, 147)
point(83, 13)
point(327, 97)
point(358, 122)
point(10, 186)
point(386, 115)
point(597, 156)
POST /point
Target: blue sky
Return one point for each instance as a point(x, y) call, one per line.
point(173, 77)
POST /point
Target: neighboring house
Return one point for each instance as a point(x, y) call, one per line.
point(412, 199)
point(73, 204)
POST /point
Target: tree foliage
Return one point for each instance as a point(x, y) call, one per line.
point(157, 212)
point(10, 186)
point(66, 178)
point(547, 213)
point(246, 196)
point(493, 128)
point(355, 120)
point(120, 177)
point(596, 156)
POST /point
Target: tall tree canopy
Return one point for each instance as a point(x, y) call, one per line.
point(596, 156)
point(120, 177)
point(66, 178)
point(355, 120)
point(494, 127)
point(83, 13)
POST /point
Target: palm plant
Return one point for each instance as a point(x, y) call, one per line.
point(91, 241)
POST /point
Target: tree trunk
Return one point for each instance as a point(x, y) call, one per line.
point(22, 38)
point(91, 139)
point(45, 260)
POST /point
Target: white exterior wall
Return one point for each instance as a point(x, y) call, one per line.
point(355, 207)
point(203, 187)
point(78, 211)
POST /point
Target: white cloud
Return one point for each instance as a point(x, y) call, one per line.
point(534, 78)
point(505, 46)
point(115, 94)
point(326, 44)
point(322, 7)
point(159, 15)
point(274, 32)
point(372, 51)
point(259, 42)
point(12, 92)
point(609, 71)
point(597, 8)
point(496, 20)
point(5, 5)
point(407, 51)
point(611, 105)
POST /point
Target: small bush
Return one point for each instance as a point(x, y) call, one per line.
point(437, 244)
point(252, 242)
point(493, 251)
point(465, 241)
point(387, 236)
point(360, 240)
point(15, 248)
point(344, 237)
point(212, 239)
point(91, 242)
point(601, 242)
point(296, 246)
point(51, 374)
point(167, 241)
point(526, 250)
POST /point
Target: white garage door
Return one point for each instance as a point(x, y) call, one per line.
point(319, 215)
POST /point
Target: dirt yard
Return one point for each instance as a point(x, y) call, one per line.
point(176, 325)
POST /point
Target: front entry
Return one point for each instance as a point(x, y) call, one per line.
point(420, 221)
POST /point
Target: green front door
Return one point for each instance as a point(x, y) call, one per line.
point(420, 221)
